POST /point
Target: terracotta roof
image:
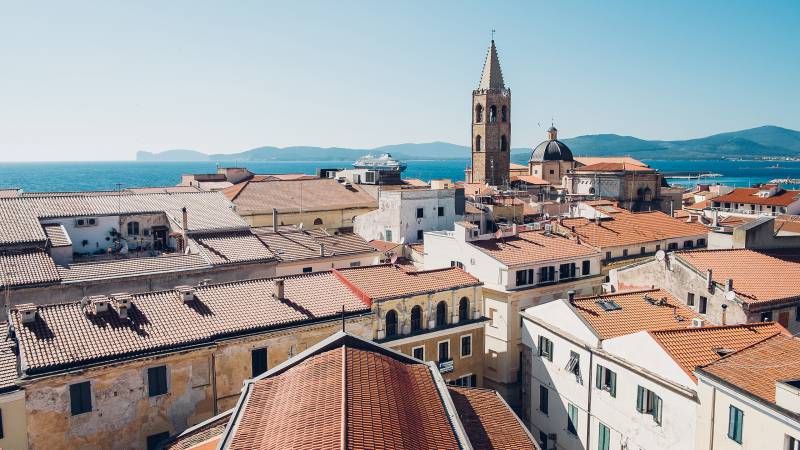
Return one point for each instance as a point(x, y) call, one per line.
point(56, 234)
point(203, 436)
point(614, 167)
point(292, 195)
point(635, 313)
point(532, 246)
point(489, 422)
point(388, 281)
point(383, 246)
point(10, 192)
point(515, 166)
point(748, 268)
point(346, 392)
point(231, 247)
point(626, 228)
point(415, 182)
point(282, 177)
point(694, 347)
point(469, 208)
point(531, 179)
point(130, 267)
point(8, 366)
point(478, 189)
point(70, 334)
point(294, 245)
point(162, 190)
point(589, 160)
point(755, 369)
point(27, 267)
point(748, 195)
point(700, 205)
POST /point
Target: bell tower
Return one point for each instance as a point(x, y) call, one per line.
point(491, 125)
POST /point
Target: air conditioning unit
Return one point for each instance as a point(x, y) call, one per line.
point(698, 322)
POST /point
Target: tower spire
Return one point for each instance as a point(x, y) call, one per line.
point(492, 76)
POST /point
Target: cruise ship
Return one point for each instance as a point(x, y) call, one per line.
point(383, 162)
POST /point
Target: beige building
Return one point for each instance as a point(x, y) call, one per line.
point(313, 203)
point(551, 159)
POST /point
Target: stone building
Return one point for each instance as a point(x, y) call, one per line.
point(551, 159)
point(491, 125)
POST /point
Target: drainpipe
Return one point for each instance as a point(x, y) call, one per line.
point(711, 425)
point(589, 401)
point(214, 381)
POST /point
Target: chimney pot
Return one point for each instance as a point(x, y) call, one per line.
point(571, 296)
point(724, 310)
point(321, 250)
point(279, 289)
point(729, 284)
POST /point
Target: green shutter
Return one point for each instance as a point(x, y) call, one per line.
point(550, 350)
point(604, 438)
point(657, 412)
point(598, 376)
point(640, 399)
point(735, 423)
point(613, 380)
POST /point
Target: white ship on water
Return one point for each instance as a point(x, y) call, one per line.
point(382, 162)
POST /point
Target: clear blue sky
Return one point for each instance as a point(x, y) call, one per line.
point(100, 80)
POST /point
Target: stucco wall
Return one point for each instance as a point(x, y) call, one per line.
point(332, 220)
point(15, 421)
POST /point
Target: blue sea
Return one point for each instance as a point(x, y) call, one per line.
point(82, 176)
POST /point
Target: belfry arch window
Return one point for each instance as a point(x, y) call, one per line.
point(504, 114)
point(503, 143)
point(317, 221)
point(478, 143)
point(478, 113)
point(416, 318)
point(463, 309)
point(391, 323)
point(492, 114)
point(441, 314)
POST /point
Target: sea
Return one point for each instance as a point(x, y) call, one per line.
point(112, 175)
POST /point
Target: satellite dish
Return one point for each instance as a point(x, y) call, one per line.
point(660, 255)
point(730, 296)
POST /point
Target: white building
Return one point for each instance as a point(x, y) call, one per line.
point(615, 371)
point(403, 215)
point(520, 268)
point(769, 199)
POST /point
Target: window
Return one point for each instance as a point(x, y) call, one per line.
point(672, 246)
point(791, 443)
point(606, 380)
point(566, 271)
point(492, 114)
point(80, 397)
point(547, 274)
point(259, 361)
point(574, 366)
point(642, 250)
point(525, 277)
point(420, 213)
point(444, 351)
point(543, 439)
point(766, 316)
point(703, 305)
point(477, 143)
point(355, 264)
point(688, 244)
point(478, 113)
point(133, 228)
point(416, 318)
point(388, 234)
point(155, 439)
point(440, 211)
point(317, 221)
point(572, 418)
point(157, 380)
point(441, 314)
point(658, 247)
point(647, 402)
point(420, 235)
point(492, 316)
point(586, 267)
point(307, 269)
point(797, 313)
point(624, 252)
point(735, 423)
point(391, 323)
point(545, 348)
point(418, 352)
point(466, 346)
point(503, 143)
point(503, 114)
point(2, 433)
point(603, 438)
point(467, 381)
point(701, 242)
point(552, 171)
point(543, 400)
point(608, 255)
point(690, 299)
point(463, 309)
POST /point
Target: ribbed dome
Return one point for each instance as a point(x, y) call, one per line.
point(552, 150)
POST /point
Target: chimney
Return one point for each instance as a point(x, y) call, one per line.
point(275, 220)
point(724, 310)
point(709, 279)
point(100, 303)
point(278, 289)
point(514, 230)
point(597, 219)
point(184, 226)
point(122, 301)
point(715, 213)
point(321, 250)
point(27, 312)
point(729, 284)
point(185, 293)
point(571, 296)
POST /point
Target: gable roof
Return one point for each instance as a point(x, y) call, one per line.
point(387, 281)
point(653, 309)
point(627, 228)
point(231, 247)
point(589, 160)
point(488, 420)
point(295, 245)
point(293, 195)
point(614, 167)
point(529, 247)
point(27, 267)
point(748, 195)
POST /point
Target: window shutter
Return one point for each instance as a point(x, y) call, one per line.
point(640, 399)
point(599, 376)
point(541, 350)
point(550, 350)
point(731, 422)
point(657, 412)
point(613, 383)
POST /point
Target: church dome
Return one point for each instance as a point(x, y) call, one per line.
point(551, 150)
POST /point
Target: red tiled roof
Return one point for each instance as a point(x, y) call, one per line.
point(387, 281)
point(383, 246)
point(748, 269)
point(292, 195)
point(626, 228)
point(130, 267)
point(635, 314)
point(295, 245)
point(531, 179)
point(589, 160)
point(8, 366)
point(614, 167)
point(231, 247)
point(748, 195)
point(693, 347)
point(532, 246)
point(489, 422)
point(56, 234)
point(27, 267)
point(70, 334)
point(757, 368)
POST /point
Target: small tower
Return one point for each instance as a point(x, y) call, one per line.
point(491, 125)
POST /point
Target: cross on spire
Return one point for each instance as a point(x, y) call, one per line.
point(492, 33)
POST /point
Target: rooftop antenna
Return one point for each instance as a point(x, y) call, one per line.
point(493, 33)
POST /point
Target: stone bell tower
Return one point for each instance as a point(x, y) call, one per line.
point(491, 125)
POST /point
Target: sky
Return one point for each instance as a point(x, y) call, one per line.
point(101, 80)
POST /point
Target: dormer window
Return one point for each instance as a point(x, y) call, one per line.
point(525, 277)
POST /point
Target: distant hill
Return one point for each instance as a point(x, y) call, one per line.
point(755, 142)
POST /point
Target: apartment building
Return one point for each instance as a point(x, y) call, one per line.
point(615, 371)
point(768, 199)
point(726, 286)
point(519, 268)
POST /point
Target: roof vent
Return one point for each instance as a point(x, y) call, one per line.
point(721, 351)
point(279, 288)
point(99, 303)
point(123, 302)
point(649, 299)
point(698, 322)
point(608, 305)
point(27, 312)
point(186, 293)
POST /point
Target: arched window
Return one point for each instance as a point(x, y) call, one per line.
point(416, 318)
point(133, 228)
point(317, 221)
point(492, 114)
point(463, 309)
point(504, 114)
point(391, 323)
point(503, 143)
point(478, 143)
point(441, 314)
point(478, 113)
point(591, 191)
